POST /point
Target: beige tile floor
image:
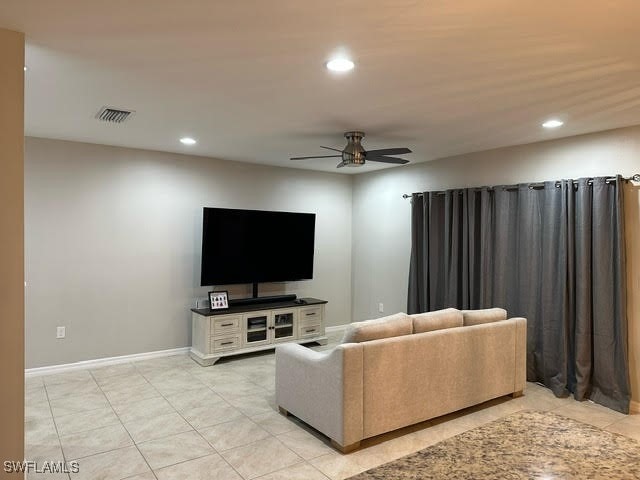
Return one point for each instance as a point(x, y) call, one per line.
point(169, 419)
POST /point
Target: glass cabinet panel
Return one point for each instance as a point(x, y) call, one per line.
point(283, 323)
point(256, 328)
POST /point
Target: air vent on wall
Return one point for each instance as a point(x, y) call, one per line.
point(114, 115)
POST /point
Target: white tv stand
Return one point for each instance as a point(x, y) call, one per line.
point(251, 328)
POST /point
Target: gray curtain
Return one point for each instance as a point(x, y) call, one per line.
point(553, 253)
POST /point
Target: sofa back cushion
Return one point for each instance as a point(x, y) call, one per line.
point(384, 327)
point(487, 315)
point(437, 320)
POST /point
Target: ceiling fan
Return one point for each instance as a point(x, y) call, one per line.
point(354, 154)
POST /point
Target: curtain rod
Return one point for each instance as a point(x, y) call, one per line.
point(635, 178)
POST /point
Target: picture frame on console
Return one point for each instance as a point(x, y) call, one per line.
point(219, 300)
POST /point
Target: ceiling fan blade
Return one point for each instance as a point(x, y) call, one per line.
point(400, 161)
point(316, 156)
point(389, 151)
point(330, 148)
point(340, 165)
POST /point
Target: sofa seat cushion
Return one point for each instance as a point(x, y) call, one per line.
point(436, 320)
point(487, 315)
point(384, 327)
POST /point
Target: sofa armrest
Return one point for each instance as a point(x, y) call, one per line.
point(520, 354)
point(323, 389)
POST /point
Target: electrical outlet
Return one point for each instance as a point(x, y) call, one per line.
point(381, 307)
point(61, 332)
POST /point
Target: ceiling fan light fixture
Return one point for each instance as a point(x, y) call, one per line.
point(340, 65)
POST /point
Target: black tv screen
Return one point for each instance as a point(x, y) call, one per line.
point(255, 246)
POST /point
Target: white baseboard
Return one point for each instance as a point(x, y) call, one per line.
point(634, 407)
point(103, 362)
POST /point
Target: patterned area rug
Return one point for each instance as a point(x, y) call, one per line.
point(525, 445)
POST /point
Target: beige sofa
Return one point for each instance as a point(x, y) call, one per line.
point(384, 376)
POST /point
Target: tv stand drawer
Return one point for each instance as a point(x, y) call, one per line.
point(309, 331)
point(225, 325)
point(226, 343)
point(310, 316)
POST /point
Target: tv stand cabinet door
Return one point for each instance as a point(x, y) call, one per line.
point(285, 325)
point(255, 328)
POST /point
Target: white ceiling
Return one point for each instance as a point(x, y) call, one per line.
point(247, 78)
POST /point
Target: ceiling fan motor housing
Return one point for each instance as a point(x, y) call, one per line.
point(354, 153)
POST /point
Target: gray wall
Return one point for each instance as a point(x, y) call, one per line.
point(113, 243)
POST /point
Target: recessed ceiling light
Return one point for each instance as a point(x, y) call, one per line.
point(188, 141)
point(340, 65)
point(26, 68)
point(553, 123)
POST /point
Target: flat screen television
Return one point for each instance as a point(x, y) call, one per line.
point(255, 246)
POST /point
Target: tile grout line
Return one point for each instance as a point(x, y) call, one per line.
point(220, 453)
point(55, 426)
point(231, 405)
point(295, 464)
point(75, 413)
point(208, 387)
point(125, 429)
point(192, 426)
point(302, 460)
